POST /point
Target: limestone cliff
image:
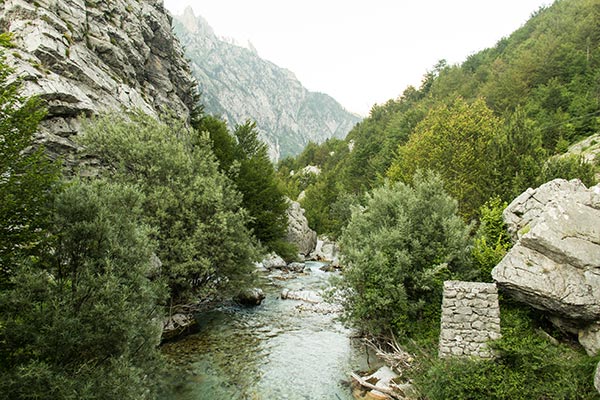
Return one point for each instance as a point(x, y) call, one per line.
point(238, 85)
point(85, 57)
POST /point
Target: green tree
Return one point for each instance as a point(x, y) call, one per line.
point(200, 227)
point(84, 324)
point(398, 249)
point(458, 142)
point(27, 177)
point(257, 181)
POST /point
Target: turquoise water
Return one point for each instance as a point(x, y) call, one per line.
point(274, 351)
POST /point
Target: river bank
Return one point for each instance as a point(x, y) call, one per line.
point(281, 349)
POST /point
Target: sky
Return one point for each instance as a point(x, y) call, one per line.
point(363, 52)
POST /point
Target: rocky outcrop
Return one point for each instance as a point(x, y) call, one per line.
point(84, 57)
point(326, 250)
point(555, 264)
point(299, 233)
point(239, 85)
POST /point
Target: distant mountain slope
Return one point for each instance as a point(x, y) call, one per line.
point(239, 85)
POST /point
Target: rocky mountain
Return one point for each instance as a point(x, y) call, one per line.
point(238, 85)
point(84, 57)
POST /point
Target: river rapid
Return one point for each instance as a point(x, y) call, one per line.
point(279, 350)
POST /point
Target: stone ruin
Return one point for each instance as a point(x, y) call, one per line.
point(470, 318)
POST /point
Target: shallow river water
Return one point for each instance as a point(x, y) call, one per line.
point(278, 350)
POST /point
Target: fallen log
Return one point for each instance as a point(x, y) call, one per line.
point(368, 385)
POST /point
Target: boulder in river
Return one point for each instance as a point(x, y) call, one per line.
point(251, 297)
point(299, 233)
point(273, 261)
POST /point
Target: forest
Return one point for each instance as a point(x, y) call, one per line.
point(415, 195)
point(90, 261)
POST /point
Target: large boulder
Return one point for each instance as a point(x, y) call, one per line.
point(251, 296)
point(326, 250)
point(555, 263)
point(299, 233)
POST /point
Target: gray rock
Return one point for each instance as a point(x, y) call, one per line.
point(251, 297)
point(307, 296)
point(589, 338)
point(326, 250)
point(299, 233)
point(555, 263)
point(273, 261)
point(89, 57)
point(295, 267)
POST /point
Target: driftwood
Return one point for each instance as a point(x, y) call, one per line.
point(395, 358)
point(368, 385)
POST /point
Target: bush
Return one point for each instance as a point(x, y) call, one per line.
point(492, 241)
point(83, 323)
point(398, 250)
point(200, 227)
point(528, 367)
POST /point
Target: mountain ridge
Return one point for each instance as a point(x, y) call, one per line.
point(237, 84)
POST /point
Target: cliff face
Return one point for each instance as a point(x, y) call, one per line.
point(85, 57)
point(238, 85)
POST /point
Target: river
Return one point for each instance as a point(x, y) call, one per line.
point(279, 350)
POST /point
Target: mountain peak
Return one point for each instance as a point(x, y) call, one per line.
point(195, 24)
point(237, 84)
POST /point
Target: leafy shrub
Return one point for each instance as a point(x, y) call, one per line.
point(200, 227)
point(528, 367)
point(492, 240)
point(568, 167)
point(398, 250)
point(82, 323)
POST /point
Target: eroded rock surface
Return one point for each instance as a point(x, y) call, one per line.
point(555, 263)
point(85, 57)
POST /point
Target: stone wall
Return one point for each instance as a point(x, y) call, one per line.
point(470, 318)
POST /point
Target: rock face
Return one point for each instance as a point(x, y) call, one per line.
point(555, 263)
point(299, 233)
point(85, 57)
point(237, 84)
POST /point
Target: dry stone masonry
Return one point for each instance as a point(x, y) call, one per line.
point(470, 318)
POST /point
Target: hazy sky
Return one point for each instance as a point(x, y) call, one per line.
point(363, 52)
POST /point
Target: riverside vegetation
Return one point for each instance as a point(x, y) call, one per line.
point(414, 194)
point(89, 264)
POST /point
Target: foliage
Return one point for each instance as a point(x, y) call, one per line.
point(458, 142)
point(568, 167)
point(492, 241)
point(398, 250)
point(528, 366)
point(200, 227)
point(26, 177)
point(244, 158)
point(83, 323)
